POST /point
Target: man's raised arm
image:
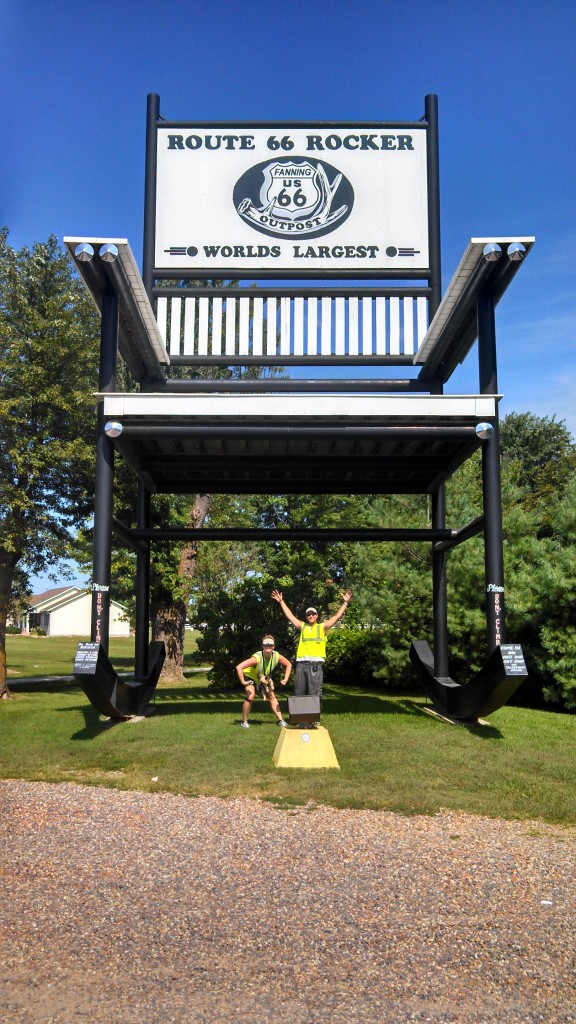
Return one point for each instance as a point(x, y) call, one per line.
point(346, 598)
point(277, 596)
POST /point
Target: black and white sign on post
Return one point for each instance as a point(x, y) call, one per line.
point(298, 199)
point(513, 660)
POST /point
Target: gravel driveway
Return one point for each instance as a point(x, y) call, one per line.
point(131, 908)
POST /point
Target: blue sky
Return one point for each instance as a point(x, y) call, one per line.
point(76, 76)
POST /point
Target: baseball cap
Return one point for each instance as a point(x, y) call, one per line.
point(312, 610)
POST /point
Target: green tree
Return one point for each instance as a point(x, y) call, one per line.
point(234, 609)
point(466, 573)
point(392, 596)
point(545, 453)
point(48, 373)
point(555, 581)
point(539, 509)
point(541, 453)
point(172, 571)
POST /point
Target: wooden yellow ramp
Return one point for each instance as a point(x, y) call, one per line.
point(305, 748)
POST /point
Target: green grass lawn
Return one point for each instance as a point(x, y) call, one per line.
point(41, 656)
point(54, 655)
point(391, 754)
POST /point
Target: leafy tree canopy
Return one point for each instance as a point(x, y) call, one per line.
point(48, 373)
point(544, 451)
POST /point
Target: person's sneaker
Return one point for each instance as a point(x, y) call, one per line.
point(282, 723)
point(245, 725)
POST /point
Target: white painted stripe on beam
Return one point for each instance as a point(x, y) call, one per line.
point(340, 407)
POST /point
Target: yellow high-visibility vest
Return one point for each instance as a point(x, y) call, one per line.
point(312, 644)
point(264, 667)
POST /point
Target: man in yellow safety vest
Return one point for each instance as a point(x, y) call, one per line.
point(311, 652)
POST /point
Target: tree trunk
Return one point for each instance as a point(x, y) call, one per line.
point(7, 566)
point(169, 616)
point(169, 620)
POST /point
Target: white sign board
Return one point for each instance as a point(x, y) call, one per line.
point(292, 199)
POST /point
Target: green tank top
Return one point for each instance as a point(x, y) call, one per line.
point(264, 666)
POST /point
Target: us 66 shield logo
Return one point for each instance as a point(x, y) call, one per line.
point(303, 197)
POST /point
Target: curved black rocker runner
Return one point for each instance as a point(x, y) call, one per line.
point(489, 690)
point(110, 694)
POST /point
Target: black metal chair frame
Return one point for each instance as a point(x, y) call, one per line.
point(377, 435)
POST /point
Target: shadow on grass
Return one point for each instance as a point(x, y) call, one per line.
point(94, 724)
point(484, 732)
point(187, 701)
point(41, 685)
point(183, 701)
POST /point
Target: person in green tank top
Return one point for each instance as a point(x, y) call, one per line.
point(256, 672)
point(311, 651)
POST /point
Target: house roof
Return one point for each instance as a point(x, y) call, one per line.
point(53, 598)
point(50, 600)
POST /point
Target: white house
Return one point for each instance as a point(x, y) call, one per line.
point(67, 611)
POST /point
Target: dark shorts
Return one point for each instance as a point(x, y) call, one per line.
point(263, 690)
point(309, 678)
